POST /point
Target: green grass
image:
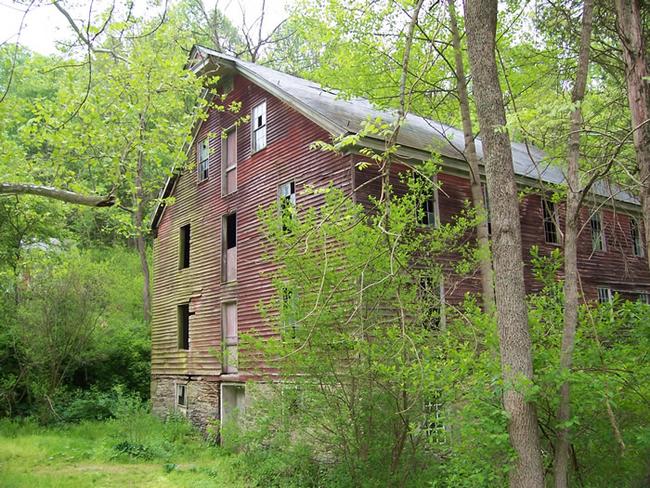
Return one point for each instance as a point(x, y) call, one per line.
point(138, 451)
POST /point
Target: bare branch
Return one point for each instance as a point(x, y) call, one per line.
point(57, 194)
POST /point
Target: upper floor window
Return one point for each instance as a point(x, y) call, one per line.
point(259, 127)
point(184, 326)
point(635, 235)
point(229, 247)
point(203, 157)
point(597, 235)
point(428, 211)
point(229, 161)
point(550, 222)
point(184, 247)
point(287, 201)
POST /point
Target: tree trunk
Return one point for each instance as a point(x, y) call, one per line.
point(510, 293)
point(482, 235)
point(561, 460)
point(140, 242)
point(630, 32)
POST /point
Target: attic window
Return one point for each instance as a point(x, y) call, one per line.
point(259, 127)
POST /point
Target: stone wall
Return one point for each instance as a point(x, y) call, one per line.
point(202, 398)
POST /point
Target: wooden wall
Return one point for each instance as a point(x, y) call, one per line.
point(286, 157)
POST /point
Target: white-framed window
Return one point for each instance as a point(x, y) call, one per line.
point(203, 158)
point(644, 298)
point(181, 395)
point(549, 212)
point(597, 234)
point(635, 236)
point(287, 203)
point(433, 423)
point(604, 295)
point(259, 127)
point(229, 161)
point(428, 212)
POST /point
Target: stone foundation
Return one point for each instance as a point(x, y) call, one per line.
point(202, 399)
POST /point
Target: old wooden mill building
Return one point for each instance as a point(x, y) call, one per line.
point(207, 251)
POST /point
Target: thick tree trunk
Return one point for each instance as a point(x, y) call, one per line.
point(512, 316)
point(57, 194)
point(561, 460)
point(482, 235)
point(630, 32)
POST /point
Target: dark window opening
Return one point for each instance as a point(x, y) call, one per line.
point(185, 247)
point(635, 235)
point(229, 257)
point(597, 235)
point(550, 222)
point(184, 326)
point(181, 395)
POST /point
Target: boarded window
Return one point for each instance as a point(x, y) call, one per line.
point(604, 295)
point(635, 236)
point(229, 247)
point(181, 395)
point(184, 326)
point(230, 337)
point(486, 204)
point(184, 247)
point(550, 222)
point(203, 153)
point(229, 161)
point(259, 127)
point(287, 204)
point(597, 235)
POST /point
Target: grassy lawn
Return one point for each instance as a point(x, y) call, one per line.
point(138, 451)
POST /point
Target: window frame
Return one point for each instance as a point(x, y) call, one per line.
point(290, 197)
point(550, 218)
point(597, 217)
point(177, 388)
point(605, 294)
point(264, 126)
point(199, 161)
point(225, 170)
point(434, 200)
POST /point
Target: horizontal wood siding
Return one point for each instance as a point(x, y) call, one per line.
point(286, 157)
point(616, 267)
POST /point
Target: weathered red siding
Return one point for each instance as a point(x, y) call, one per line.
point(616, 267)
point(286, 157)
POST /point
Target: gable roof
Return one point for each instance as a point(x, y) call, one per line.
point(418, 137)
